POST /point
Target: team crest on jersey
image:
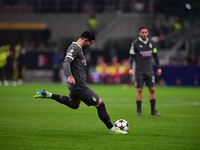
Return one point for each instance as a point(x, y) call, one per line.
point(140, 46)
point(150, 45)
point(71, 51)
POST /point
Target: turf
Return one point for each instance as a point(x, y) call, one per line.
point(40, 124)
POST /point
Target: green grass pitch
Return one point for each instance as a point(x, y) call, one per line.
point(44, 124)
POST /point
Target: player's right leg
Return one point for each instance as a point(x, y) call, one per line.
point(152, 96)
point(74, 104)
point(139, 79)
point(139, 101)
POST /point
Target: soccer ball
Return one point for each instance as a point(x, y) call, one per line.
point(122, 124)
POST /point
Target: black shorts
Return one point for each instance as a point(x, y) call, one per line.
point(86, 95)
point(149, 80)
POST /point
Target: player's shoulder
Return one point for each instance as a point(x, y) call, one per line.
point(136, 40)
point(151, 41)
point(74, 47)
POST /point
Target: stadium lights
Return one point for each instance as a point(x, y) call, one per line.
point(188, 6)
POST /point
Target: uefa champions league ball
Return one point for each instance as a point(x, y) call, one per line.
point(122, 124)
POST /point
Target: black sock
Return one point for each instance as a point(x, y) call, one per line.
point(139, 103)
point(103, 115)
point(63, 100)
point(153, 104)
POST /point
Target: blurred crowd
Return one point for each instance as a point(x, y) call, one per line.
point(192, 60)
point(164, 27)
point(12, 64)
point(42, 45)
point(76, 6)
point(110, 73)
point(13, 61)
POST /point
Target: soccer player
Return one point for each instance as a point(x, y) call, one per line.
point(141, 51)
point(75, 69)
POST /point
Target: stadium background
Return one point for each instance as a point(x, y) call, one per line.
point(41, 29)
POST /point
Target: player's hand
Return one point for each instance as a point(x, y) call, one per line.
point(131, 72)
point(159, 71)
point(71, 80)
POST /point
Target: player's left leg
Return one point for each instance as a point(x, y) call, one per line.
point(103, 115)
point(90, 98)
point(152, 98)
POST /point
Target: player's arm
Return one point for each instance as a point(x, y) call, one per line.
point(67, 70)
point(155, 56)
point(131, 59)
point(71, 55)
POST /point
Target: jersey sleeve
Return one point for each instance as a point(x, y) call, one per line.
point(154, 48)
point(155, 56)
point(132, 55)
point(72, 53)
point(70, 56)
point(132, 49)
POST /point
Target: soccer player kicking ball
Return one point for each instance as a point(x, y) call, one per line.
point(75, 69)
point(141, 52)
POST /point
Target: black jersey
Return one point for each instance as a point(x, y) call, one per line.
point(78, 64)
point(143, 51)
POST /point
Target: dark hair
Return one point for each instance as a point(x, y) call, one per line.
point(88, 35)
point(143, 28)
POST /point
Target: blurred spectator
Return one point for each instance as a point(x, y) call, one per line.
point(179, 82)
point(177, 24)
point(162, 29)
point(3, 57)
point(191, 59)
point(20, 66)
point(113, 73)
point(32, 44)
point(51, 43)
point(161, 82)
point(10, 67)
point(17, 48)
point(198, 61)
point(92, 24)
point(101, 69)
point(42, 46)
point(56, 59)
point(198, 80)
point(26, 44)
point(124, 69)
point(153, 30)
point(86, 6)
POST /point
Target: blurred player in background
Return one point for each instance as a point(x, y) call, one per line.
point(3, 56)
point(141, 51)
point(75, 69)
point(10, 67)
